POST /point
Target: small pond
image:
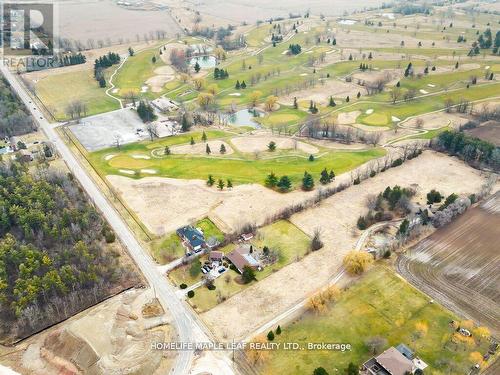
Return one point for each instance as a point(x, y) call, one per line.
point(245, 117)
point(205, 62)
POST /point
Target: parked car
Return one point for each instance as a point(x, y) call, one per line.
point(222, 269)
point(204, 270)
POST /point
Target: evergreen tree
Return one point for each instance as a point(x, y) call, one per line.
point(166, 151)
point(332, 102)
point(220, 184)
point(238, 86)
point(311, 157)
point(207, 150)
point(295, 104)
point(332, 175)
point(210, 180)
point(192, 141)
point(307, 181)
point(102, 82)
point(222, 149)
point(271, 180)
point(130, 51)
point(270, 336)
point(203, 136)
point(229, 184)
point(243, 85)
point(197, 67)
point(278, 330)
point(347, 99)
point(359, 95)
point(284, 184)
point(185, 125)
point(325, 177)
point(153, 59)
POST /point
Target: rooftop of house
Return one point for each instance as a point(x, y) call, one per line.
point(241, 257)
point(216, 255)
point(406, 351)
point(191, 234)
point(394, 362)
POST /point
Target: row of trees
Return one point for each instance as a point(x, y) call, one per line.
point(284, 183)
point(102, 63)
point(472, 150)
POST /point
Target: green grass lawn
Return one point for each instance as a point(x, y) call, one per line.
point(240, 168)
point(57, 91)
point(286, 239)
point(136, 71)
point(379, 304)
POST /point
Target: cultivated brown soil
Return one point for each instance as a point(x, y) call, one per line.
point(458, 265)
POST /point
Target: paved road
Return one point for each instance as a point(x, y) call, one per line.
point(188, 327)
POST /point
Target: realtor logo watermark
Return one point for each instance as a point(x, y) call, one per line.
point(27, 29)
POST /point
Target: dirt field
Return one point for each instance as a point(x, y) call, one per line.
point(489, 131)
point(105, 20)
point(458, 265)
point(152, 197)
point(260, 143)
point(336, 217)
point(110, 338)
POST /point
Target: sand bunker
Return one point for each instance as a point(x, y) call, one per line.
point(163, 74)
point(369, 111)
point(149, 171)
point(395, 119)
point(260, 143)
point(423, 91)
point(348, 118)
point(139, 156)
point(109, 157)
point(126, 171)
point(201, 148)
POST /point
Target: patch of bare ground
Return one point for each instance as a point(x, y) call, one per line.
point(201, 148)
point(437, 120)
point(260, 143)
point(348, 118)
point(336, 217)
point(376, 38)
point(458, 265)
point(162, 75)
point(488, 131)
point(165, 204)
point(113, 337)
point(371, 76)
point(321, 93)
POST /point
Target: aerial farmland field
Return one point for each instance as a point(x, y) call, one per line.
point(458, 265)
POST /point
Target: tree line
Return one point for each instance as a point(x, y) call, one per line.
point(14, 117)
point(102, 63)
point(472, 150)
